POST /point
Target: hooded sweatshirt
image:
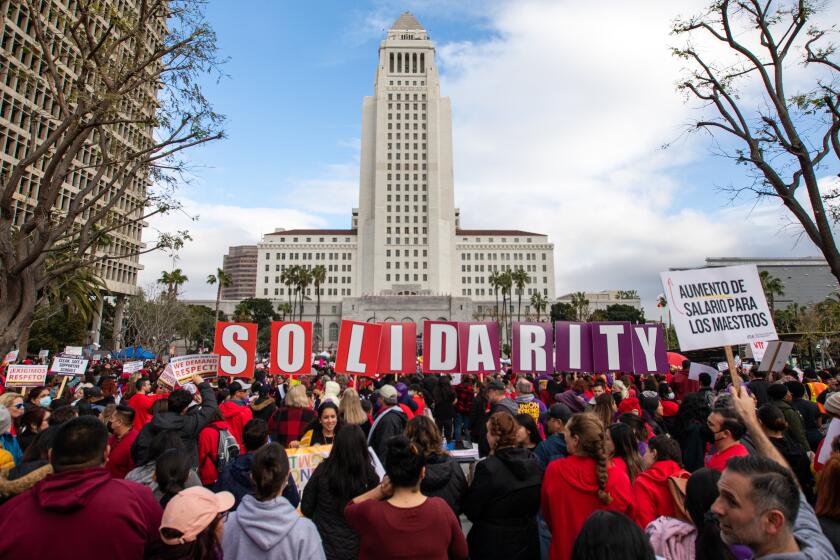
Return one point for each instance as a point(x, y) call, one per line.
point(270, 529)
point(651, 496)
point(444, 479)
point(570, 495)
point(208, 451)
point(83, 512)
point(236, 415)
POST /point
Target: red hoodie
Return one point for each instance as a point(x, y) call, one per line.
point(142, 405)
point(81, 514)
point(651, 496)
point(119, 459)
point(237, 415)
point(570, 495)
point(208, 451)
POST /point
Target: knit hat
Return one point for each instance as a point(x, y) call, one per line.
point(777, 391)
point(389, 394)
point(192, 510)
point(630, 404)
point(832, 404)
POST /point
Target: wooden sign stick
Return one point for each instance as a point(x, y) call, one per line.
point(61, 387)
point(733, 372)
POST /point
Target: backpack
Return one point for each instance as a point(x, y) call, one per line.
point(676, 486)
point(228, 449)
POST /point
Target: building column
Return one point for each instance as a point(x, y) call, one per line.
point(96, 322)
point(119, 312)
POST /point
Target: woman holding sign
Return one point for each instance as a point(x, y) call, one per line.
point(324, 429)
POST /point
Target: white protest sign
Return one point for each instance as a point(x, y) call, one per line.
point(12, 356)
point(26, 376)
point(695, 370)
point(776, 356)
point(167, 378)
point(132, 367)
point(184, 367)
point(43, 354)
point(69, 365)
point(713, 307)
point(73, 350)
point(757, 348)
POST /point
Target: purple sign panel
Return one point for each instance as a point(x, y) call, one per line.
point(478, 346)
point(649, 354)
point(531, 350)
point(612, 346)
point(573, 346)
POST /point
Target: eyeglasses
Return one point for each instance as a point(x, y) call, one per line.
point(19, 406)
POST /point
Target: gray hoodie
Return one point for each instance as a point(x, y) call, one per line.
point(270, 530)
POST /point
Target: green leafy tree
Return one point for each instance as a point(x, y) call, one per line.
point(173, 281)
point(772, 287)
point(563, 312)
point(520, 279)
point(289, 278)
point(260, 311)
point(581, 305)
point(539, 303)
point(198, 327)
point(622, 312)
point(304, 280)
point(319, 277)
point(598, 315)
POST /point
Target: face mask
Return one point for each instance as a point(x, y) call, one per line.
point(707, 434)
point(45, 402)
point(670, 396)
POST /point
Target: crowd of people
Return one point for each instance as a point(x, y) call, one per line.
point(572, 466)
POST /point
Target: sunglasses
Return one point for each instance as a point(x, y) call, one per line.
point(19, 406)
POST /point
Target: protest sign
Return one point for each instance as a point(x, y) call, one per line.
point(756, 349)
point(440, 347)
point(304, 460)
point(649, 353)
point(73, 350)
point(612, 346)
point(26, 376)
point(695, 370)
point(776, 356)
point(291, 343)
point(69, 365)
point(712, 307)
point(43, 354)
point(236, 346)
point(184, 367)
point(478, 347)
point(531, 350)
point(132, 367)
point(398, 348)
point(11, 357)
point(572, 346)
point(167, 378)
point(358, 348)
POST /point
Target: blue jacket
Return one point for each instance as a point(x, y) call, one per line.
point(10, 444)
point(551, 448)
point(236, 479)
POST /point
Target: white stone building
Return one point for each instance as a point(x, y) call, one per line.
point(405, 256)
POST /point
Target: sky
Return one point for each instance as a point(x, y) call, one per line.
point(566, 121)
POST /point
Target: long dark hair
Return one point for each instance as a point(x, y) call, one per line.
point(316, 427)
point(172, 469)
point(205, 546)
point(626, 447)
point(348, 469)
point(527, 421)
point(701, 491)
point(693, 411)
point(609, 535)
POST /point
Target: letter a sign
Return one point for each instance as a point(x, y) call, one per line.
point(236, 345)
point(358, 348)
point(290, 346)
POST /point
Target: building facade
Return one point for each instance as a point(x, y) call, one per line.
point(240, 264)
point(405, 257)
point(602, 300)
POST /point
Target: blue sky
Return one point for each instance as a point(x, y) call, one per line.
point(560, 112)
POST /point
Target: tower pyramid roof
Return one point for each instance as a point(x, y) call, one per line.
point(407, 21)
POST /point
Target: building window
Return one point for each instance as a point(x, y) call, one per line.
point(333, 332)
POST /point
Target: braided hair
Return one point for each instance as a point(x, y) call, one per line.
point(590, 431)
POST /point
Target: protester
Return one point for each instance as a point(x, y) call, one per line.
point(701, 491)
point(33, 422)
point(343, 475)
point(604, 408)
point(725, 429)
point(808, 411)
point(689, 429)
point(527, 433)
point(145, 474)
point(390, 421)
point(828, 501)
point(217, 448)
point(350, 411)
point(609, 535)
point(503, 499)
point(8, 442)
point(60, 513)
point(236, 410)
point(583, 482)
point(38, 397)
point(293, 418)
point(14, 403)
point(498, 402)
point(193, 525)
point(554, 446)
point(444, 477)
point(266, 525)
point(774, 424)
point(264, 406)
point(187, 426)
point(526, 401)
point(464, 395)
point(172, 471)
point(123, 434)
point(623, 447)
point(142, 402)
point(444, 410)
point(682, 384)
point(33, 468)
point(758, 386)
point(389, 518)
point(324, 429)
point(652, 495)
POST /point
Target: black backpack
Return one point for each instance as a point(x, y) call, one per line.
point(228, 449)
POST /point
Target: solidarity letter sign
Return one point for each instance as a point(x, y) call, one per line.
point(398, 348)
point(612, 346)
point(290, 344)
point(236, 345)
point(531, 348)
point(358, 348)
point(573, 346)
point(440, 347)
point(649, 354)
point(478, 347)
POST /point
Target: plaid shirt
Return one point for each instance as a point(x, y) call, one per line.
point(289, 422)
point(465, 396)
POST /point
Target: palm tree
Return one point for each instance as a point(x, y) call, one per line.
point(505, 283)
point(289, 277)
point(304, 279)
point(494, 283)
point(285, 309)
point(172, 280)
point(772, 287)
point(539, 302)
point(581, 305)
point(223, 280)
point(520, 278)
point(319, 276)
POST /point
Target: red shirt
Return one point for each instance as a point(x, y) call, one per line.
point(570, 495)
point(651, 496)
point(142, 405)
point(718, 460)
point(683, 385)
point(236, 415)
point(119, 459)
point(388, 531)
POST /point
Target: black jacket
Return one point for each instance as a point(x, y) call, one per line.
point(392, 424)
point(187, 426)
point(502, 503)
point(236, 479)
point(445, 479)
point(480, 428)
point(326, 510)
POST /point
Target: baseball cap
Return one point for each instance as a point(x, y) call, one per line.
point(389, 393)
point(496, 385)
point(93, 392)
point(558, 411)
point(191, 511)
point(239, 386)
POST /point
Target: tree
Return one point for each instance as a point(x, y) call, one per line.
point(121, 102)
point(198, 327)
point(622, 312)
point(304, 279)
point(223, 280)
point(153, 320)
point(319, 276)
point(495, 284)
point(285, 310)
point(772, 287)
point(785, 140)
point(539, 302)
point(506, 284)
point(563, 312)
point(598, 315)
point(289, 279)
point(172, 280)
point(520, 280)
point(581, 305)
point(260, 311)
